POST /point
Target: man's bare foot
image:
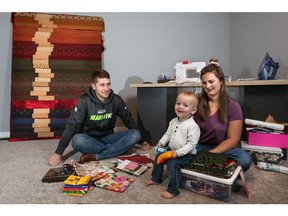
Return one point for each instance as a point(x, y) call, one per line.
point(150, 182)
point(167, 195)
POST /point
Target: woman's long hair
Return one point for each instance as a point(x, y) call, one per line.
point(203, 108)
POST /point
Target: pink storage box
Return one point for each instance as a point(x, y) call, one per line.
point(270, 140)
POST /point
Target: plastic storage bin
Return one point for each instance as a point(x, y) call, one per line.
point(217, 188)
point(271, 155)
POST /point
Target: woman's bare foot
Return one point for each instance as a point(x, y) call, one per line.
point(167, 195)
point(146, 146)
point(150, 182)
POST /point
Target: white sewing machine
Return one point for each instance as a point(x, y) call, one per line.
point(186, 71)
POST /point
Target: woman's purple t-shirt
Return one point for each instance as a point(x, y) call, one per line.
point(213, 131)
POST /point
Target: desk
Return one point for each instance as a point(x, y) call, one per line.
point(258, 99)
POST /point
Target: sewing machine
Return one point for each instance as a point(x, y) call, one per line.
point(186, 71)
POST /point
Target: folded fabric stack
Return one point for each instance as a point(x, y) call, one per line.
point(95, 169)
point(77, 185)
point(114, 182)
point(141, 159)
point(217, 165)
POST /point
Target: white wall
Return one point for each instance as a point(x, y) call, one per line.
point(5, 73)
point(139, 47)
point(254, 34)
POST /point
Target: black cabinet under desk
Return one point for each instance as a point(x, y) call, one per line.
point(258, 99)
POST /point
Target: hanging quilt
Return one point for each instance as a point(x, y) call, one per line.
point(53, 58)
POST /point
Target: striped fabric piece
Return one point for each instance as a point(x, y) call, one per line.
point(53, 57)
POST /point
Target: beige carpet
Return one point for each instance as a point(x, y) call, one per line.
point(23, 165)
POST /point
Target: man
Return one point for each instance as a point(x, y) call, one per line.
point(91, 124)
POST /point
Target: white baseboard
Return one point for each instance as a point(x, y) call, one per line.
point(4, 135)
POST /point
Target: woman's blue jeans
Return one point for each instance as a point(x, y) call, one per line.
point(174, 171)
point(106, 147)
point(239, 155)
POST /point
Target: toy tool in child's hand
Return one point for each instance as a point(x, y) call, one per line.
point(164, 157)
point(160, 149)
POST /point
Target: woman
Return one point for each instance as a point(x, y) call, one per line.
point(219, 117)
